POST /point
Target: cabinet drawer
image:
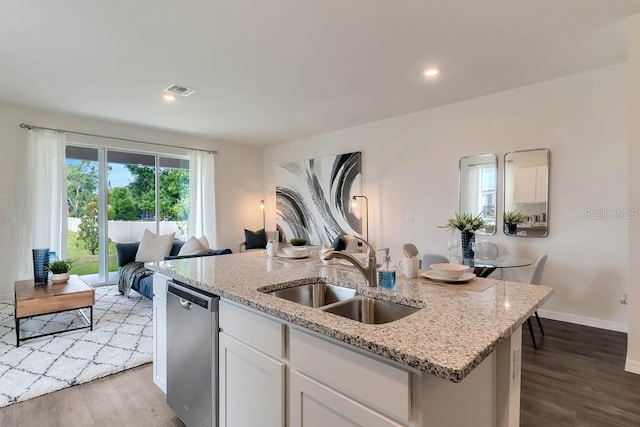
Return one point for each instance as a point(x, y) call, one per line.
point(252, 328)
point(370, 381)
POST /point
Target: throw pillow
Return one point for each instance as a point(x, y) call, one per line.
point(255, 239)
point(154, 247)
point(338, 243)
point(193, 246)
point(204, 242)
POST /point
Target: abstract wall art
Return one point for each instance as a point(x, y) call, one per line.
point(313, 198)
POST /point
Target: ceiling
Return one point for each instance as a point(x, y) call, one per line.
point(277, 70)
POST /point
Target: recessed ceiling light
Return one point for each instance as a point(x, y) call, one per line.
point(431, 72)
point(168, 97)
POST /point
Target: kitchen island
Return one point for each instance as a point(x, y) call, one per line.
point(461, 348)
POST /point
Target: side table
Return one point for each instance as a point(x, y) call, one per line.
point(36, 300)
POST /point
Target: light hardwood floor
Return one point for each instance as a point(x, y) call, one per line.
point(576, 378)
point(126, 399)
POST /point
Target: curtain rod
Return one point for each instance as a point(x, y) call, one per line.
point(26, 126)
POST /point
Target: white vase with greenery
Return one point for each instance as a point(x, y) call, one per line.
point(60, 270)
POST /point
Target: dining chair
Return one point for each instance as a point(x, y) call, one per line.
point(428, 259)
point(536, 276)
point(491, 251)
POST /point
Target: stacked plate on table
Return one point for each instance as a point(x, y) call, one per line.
point(449, 273)
point(294, 253)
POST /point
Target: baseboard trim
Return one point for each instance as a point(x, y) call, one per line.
point(6, 297)
point(632, 366)
point(583, 320)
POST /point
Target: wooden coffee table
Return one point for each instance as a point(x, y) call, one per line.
point(36, 300)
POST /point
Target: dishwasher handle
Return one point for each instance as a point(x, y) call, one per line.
point(188, 297)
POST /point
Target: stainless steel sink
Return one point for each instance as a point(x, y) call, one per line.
point(315, 294)
point(371, 310)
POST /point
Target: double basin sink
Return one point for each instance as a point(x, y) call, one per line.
point(345, 302)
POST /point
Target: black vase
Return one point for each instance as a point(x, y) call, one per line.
point(468, 238)
point(40, 266)
point(511, 229)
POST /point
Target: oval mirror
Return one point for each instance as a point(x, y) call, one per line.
point(478, 188)
point(526, 193)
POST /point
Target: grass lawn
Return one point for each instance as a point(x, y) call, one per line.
point(83, 261)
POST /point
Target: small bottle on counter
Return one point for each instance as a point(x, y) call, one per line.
point(386, 273)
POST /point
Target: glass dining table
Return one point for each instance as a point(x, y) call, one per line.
point(483, 267)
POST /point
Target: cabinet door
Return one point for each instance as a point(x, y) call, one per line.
point(160, 331)
point(315, 405)
point(251, 386)
point(542, 173)
point(524, 185)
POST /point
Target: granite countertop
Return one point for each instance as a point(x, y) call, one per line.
point(449, 337)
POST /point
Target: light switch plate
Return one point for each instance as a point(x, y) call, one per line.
point(411, 217)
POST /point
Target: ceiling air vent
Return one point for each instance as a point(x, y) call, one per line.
point(180, 90)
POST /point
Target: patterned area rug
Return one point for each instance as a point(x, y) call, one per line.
point(122, 338)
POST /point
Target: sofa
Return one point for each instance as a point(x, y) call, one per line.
point(142, 280)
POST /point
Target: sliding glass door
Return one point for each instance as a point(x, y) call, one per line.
point(113, 197)
point(132, 195)
point(174, 196)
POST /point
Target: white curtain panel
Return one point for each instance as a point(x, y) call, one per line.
point(202, 209)
point(473, 188)
point(45, 221)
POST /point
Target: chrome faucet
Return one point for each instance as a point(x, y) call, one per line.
point(370, 271)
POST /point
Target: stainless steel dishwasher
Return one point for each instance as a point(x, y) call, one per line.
point(192, 355)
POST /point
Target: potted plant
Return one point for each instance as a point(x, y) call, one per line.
point(298, 241)
point(468, 225)
point(60, 270)
point(511, 220)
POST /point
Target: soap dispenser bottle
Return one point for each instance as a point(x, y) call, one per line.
point(386, 273)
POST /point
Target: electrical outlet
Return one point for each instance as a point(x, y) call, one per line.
point(624, 299)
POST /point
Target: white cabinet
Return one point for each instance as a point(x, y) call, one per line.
point(315, 405)
point(378, 385)
point(276, 374)
point(530, 185)
point(252, 373)
point(542, 175)
point(160, 331)
point(251, 386)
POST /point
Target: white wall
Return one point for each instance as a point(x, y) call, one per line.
point(633, 348)
point(410, 165)
point(238, 176)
